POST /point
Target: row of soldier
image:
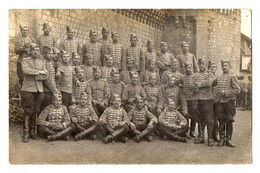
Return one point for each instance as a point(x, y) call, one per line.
point(152, 87)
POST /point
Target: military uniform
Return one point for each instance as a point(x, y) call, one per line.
point(100, 93)
point(148, 57)
point(32, 93)
point(88, 70)
point(116, 50)
point(176, 75)
point(84, 121)
point(145, 76)
point(130, 93)
point(46, 40)
point(137, 54)
point(116, 88)
point(189, 57)
point(125, 76)
point(70, 46)
point(173, 125)
point(164, 61)
point(94, 49)
point(50, 118)
point(143, 122)
point(78, 88)
point(110, 123)
point(106, 73)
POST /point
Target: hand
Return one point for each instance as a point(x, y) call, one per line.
point(185, 112)
point(102, 104)
point(43, 72)
point(74, 120)
point(158, 111)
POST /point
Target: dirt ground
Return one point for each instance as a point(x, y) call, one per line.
point(157, 152)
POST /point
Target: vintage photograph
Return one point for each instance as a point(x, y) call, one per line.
point(130, 86)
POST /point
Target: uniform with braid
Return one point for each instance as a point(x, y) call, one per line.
point(46, 40)
point(137, 54)
point(80, 87)
point(154, 97)
point(70, 46)
point(116, 50)
point(95, 50)
point(116, 88)
point(189, 57)
point(164, 61)
point(149, 56)
point(106, 73)
point(145, 76)
point(176, 74)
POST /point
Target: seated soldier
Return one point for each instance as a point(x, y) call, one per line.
point(84, 119)
point(172, 124)
point(114, 122)
point(54, 120)
point(142, 121)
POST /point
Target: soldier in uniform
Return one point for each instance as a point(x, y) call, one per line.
point(131, 90)
point(88, 67)
point(100, 92)
point(84, 119)
point(114, 122)
point(150, 54)
point(104, 41)
point(107, 69)
point(172, 71)
point(154, 95)
point(135, 52)
point(203, 80)
point(22, 49)
point(46, 39)
point(143, 122)
point(125, 74)
point(70, 44)
point(164, 59)
point(116, 86)
point(152, 69)
point(172, 124)
point(54, 121)
point(65, 81)
point(116, 50)
point(35, 72)
point(191, 94)
point(93, 48)
point(187, 56)
point(227, 88)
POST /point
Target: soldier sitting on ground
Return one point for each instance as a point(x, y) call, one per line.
point(114, 122)
point(84, 119)
point(54, 120)
point(143, 122)
point(172, 124)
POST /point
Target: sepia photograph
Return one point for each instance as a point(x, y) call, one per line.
point(130, 86)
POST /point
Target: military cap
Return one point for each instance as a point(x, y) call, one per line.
point(132, 73)
point(184, 43)
point(96, 68)
point(163, 43)
point(202, 60)
point(225, 61)
point(46, 49)
point(63, 52)
point(114, 71)
point(69, 28)
point(74, 54)
point(113, 33)
point(92, 32)
point(104, 29)
point(22, 27)
point(83, 94)
point(33, 46)
point(133, 36)
point(45, 25)
point(55, 50)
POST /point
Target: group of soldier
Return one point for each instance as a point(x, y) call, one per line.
point(121, 92)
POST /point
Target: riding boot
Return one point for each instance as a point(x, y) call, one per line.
point(171, 135)
point(33, 131)
point(187, 135)
point(60, 135)
point(229, 132)
point(222, 134)
point(84, 133)
point(215, 131)
point(200, 139)
point(119, 132)
point(192, 128)
point(26, 129)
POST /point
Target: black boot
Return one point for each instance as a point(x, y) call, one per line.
point(119, 132)
point(229, 132)
point(60, 135)
point(84, 133)
point(26, 129)
point(33, 131)
point(200, 139)
point(222, 134)
point(192, 128)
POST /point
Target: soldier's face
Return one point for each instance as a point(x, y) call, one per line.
point(140, 104)
point(172, 81)
point(105, 34)
point(174, 66)
point(47, 30)
point(202, 66)
point(35, 52)
point(185, 48)
point(83, 100)
point(116, 78)
point(49, 55)
point(134, 79)
point(188, 69)
point(213, 68)
point(80, 75)
point(76, 60)
point(225, 67)
point(171, 106)
point(97, 74)
point(133, 41)
point(153, 80)
point(130, 65)
point(89, 60)
point(25, 32)
point(117, 102)
point(65, 58)
point(115, 38)
point(110, 61)
point(150, 46)
point(70, 34)
point(152, 65)
point(164, 47)
point(57, 102)
point(93, 37)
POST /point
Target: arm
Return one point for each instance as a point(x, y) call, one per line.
point(125, 117)
point(93, 114)
point(150, 116)
point(207, 82)
point(235, 89)
point(107, 94)
point(181, 118)
point(66, 119)
point(29, 70)
point(161, 118)
point(103, 117)
point(43, 116)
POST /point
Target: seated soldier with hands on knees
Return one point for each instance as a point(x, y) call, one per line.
point(84, 119)
point(54, 120)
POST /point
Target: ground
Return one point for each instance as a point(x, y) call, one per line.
point(157, 152)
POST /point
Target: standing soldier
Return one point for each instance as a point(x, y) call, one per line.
point(173, 71)
point(107, 69)
point(172, 124)
point(54, 121)
point(22, 48)
point(100, 92)
point(203, 80)
point(35, 72)
point(116, 50)
point(143, 122)
point(84, 119)
point(93, 48)
point(135, 52)
point(191, 94)
point(104, 41)
point(164, 59)
point(46, 39)
point(131, 90)
point(186, 56)
point(212, 68)
point(152, 69)
point(125, 74)
point(227, 88)
point(114, 122)
point(154, 95)
point(149, 54)
point(116, 86)
point(88, 67)
point(70, 44)
point(65, 81)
